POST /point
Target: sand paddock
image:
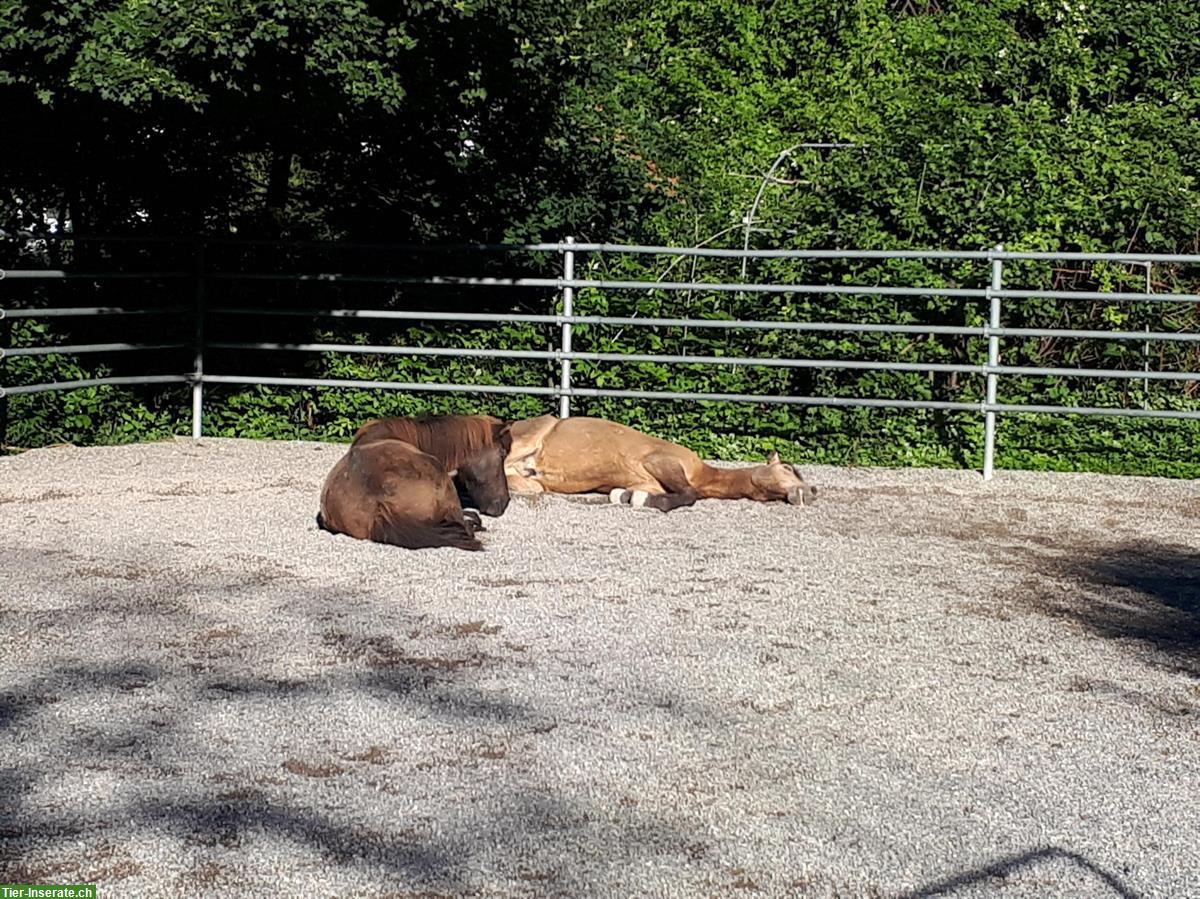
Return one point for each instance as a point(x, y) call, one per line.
point(921, 685)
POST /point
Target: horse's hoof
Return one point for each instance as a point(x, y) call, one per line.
point(618, 495)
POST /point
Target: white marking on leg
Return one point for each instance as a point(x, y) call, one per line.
point(616, 495)
point(639, 498)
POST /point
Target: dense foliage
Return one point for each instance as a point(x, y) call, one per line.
point(873, 124)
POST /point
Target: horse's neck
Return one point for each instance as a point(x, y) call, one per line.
point(724, 483)
point(450, 456)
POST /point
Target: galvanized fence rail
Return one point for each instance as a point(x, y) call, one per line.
point(565, 320)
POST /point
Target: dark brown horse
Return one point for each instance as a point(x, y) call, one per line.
point(401, 481)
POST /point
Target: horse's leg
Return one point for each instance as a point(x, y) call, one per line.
point(637, 495)
point(419, 506)
point(677, 491)
point(391, 526)
point(651, 496)
point(467, 502)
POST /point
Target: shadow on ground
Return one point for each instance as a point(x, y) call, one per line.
point(145, 778)
point(1102, 882)
point(1145, 593)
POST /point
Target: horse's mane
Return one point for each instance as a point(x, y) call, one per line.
point(452, 439)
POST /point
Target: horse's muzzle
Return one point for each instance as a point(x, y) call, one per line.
point(802, 495)
point(496, 508)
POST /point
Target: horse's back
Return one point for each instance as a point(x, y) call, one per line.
point(386, 464)
point(582, 454)
point(384, 475)
point(582, 432)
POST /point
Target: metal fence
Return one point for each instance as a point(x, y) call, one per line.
point(563, 318)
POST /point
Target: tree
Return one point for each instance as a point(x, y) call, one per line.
point(415, 119)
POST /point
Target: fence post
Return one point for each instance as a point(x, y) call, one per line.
point(5, 340)
point(1146, 345)
point(568, 309)
point(198, 348)
point(989, 429)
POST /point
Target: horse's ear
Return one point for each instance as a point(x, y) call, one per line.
point(503, 434)
point(773, 459)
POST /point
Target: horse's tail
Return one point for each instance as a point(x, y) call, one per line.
point(388, 527)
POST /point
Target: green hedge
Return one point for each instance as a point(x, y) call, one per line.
point(841, 436)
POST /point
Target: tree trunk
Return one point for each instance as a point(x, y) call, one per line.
point(277, 190)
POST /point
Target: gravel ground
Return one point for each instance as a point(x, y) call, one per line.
point(921, 685)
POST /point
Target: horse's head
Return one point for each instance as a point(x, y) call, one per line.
point(780, 481)
point(482, 475)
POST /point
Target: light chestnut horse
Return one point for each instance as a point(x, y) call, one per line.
point(591, 455)
point(401, 481)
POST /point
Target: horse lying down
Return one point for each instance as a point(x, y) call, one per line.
point(591, 455)
point(403, 481)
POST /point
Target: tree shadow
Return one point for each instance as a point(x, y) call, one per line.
point(1105, 882)
point(1144, 592)
point(138, 740)
point(1169, 574)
